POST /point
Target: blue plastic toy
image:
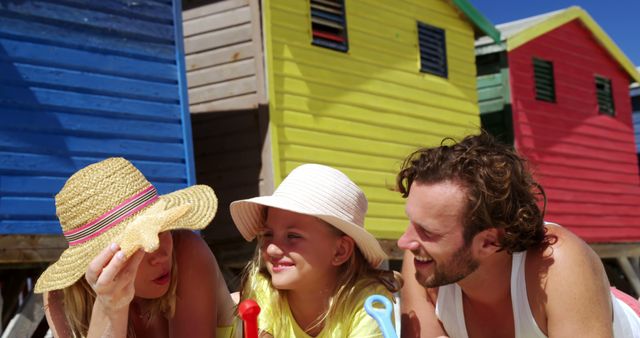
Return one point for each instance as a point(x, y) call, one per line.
point(381, 315)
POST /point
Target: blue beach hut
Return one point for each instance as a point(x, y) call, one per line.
point(81, 81)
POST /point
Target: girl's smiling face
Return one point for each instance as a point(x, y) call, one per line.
point(300, 252)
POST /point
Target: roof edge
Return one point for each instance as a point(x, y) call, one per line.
point(478, 19)
point(570, 14)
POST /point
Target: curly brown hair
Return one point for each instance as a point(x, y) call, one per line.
point(501, 191)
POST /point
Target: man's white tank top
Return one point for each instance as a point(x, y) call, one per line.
point(626, 323)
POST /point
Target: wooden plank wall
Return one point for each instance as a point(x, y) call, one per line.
point(365, 110)
point(493, 82)
point(82, 81)
point(223, 47)
point(585, 160)
point(493, 95)
point(635, 106)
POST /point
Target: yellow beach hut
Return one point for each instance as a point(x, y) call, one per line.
point(354, 84)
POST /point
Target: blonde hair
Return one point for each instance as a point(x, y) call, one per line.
point(79, 298)
point(354, 277)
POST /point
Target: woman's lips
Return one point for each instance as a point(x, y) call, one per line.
point(164, 279)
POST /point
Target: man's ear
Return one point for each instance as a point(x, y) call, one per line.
point(343, 250)
point(486, 242)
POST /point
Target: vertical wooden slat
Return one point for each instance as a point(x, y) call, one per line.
point(185, 116)
point(635, 108)
point(258, 51)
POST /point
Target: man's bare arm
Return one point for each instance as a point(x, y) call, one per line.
point(418, 310)
point(577, 290)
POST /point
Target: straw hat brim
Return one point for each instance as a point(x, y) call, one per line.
point(248, 216)
point(191, 208)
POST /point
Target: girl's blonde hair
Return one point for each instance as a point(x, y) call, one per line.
point(79, 297)
point(354, 277)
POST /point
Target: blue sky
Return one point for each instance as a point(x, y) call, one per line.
point(619, 18)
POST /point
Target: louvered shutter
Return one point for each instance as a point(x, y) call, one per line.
point(543, 76)
point(605, 96)
point(433, 50)
point(329, 25)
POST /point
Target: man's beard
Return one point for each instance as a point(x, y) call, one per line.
point(460, 265)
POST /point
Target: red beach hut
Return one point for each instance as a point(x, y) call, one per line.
point(557, 86)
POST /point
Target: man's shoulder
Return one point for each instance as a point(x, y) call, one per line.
point(566, 255)
point(569, 290)
point(563, 247)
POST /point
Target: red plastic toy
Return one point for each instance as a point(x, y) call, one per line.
point(249, 310)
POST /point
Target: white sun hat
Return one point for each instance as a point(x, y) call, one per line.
point(319, 191)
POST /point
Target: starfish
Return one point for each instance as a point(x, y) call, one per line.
point(143, 231)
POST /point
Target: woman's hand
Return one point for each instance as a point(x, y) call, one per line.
point(111, 276)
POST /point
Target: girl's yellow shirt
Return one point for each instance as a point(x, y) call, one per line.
point(355, 324)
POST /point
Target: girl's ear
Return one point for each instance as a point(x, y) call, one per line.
point(343, 251)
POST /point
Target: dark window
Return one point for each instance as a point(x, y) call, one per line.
point(489, 63)
point(545, 85)
point(635, 103)
point(605, 96)
point(329, 24)
point(433, 50)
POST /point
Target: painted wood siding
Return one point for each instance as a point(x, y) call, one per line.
point(494, 99)
point(224, 56)
point(82, 81)
point(586, 161)
point(365, 110)
point(495, 107)
point(635, 106)
point(493, 92)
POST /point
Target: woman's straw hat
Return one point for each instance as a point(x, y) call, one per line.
point(315, 190)
point(111, 201)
